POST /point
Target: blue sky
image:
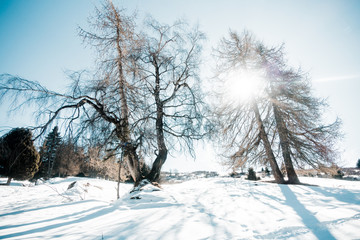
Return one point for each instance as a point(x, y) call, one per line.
point(38, 41)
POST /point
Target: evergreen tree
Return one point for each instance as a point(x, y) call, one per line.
point(18, 156)
point(358, 163)
point(49, 152)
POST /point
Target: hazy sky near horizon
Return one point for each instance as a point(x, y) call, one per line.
point(39, 42)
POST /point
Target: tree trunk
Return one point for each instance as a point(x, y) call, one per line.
point(8, 181)
point(48, 170)
point(119, 178)
point(284, 143)
point(123, 128)
point(154, 175)
point(274, 166)
point(132, 161)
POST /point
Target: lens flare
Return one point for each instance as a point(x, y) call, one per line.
point(242, 86)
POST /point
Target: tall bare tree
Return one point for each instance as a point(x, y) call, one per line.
point(293, 115)
point(107, 104)
point(169, 67)
point(304, 138)
point(146, 90)
point(117, 43)
point(241, 122)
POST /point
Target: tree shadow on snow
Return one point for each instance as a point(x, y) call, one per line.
point(51, 219)
point(309, 220)
point(103, 211)
point(341, 195)
point(180, 217)
point(46, 207)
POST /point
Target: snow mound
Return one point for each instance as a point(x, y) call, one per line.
point(146, 195)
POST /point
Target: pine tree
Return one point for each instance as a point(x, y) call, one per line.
point(49, 151)
point(358, 163)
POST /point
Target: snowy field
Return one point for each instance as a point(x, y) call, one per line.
point(212, 208)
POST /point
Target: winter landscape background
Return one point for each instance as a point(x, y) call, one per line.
point(214, 87)
point(41, 40)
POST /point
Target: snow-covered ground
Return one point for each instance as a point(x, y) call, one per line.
point(211, 208)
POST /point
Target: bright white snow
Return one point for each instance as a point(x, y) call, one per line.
point(213, 208)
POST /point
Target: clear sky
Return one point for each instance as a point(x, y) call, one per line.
point(38, 41)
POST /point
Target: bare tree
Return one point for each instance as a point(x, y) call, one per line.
point(304, 138)
point(169, 67)
point(96, 166)
point(241, 123)
point(145, 91)
point(69, 158)
point(117, 43)
point(293, 115)
point(107, 104)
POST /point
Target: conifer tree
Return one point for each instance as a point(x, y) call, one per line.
point(49, 152)
point(18, 156)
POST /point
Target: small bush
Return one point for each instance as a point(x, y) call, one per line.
point(339, 174)
point(267, 171)
point(252, 175)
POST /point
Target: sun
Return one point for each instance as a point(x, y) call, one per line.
point(242, 85)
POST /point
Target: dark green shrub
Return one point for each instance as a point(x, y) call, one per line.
point(18, 158)
point(252, 175)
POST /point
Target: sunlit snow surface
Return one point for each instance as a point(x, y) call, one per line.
point(213, 208)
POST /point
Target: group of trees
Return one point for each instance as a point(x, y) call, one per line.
point(145, 99)
point(145, 96)
point(57, 157)
point(65, 157)
point(60, 157)
point(281, 117)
